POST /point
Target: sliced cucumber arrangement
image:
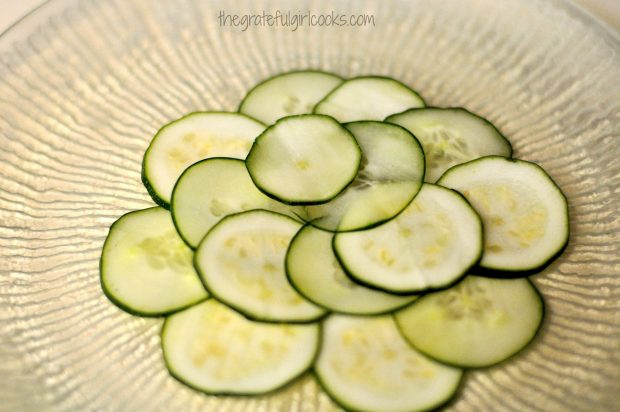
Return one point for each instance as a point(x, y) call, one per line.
point(430, 245)
point(146, 269)
point(524, 212)
point(390, 175)
point(194, 137)
point(304, 159)
point(451, 136)
point(216, 350)
point(212, 189)
point(241, 262)
point(314, 271)
point(477, 323)
point(288, 94)
point(368, 98)
point(315, 243)
point(366, 365)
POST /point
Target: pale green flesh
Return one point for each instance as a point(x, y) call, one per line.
point(431, 244)
point(365, 364)
point(314, 271)
point(450, 137)
point(215, 349)
point(304, 159)
point(288, 94)
point(192, 138)
point(390, 175)
point(524, 213)
point(213, 189)
point(368, 98)
point(241, 261)
point(479, 322)
point(146, 267)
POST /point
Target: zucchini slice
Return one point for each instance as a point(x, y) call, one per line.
point(477, 323)
point(390, 175)
point(211, 189)
point(214, 349)
point(146, 269)
point(315, 272)
point(194, 137)
point(451, 136)
point(304, 159)
point(365, 364)
point(368, 98)
point(525, 214)
point(288, 94)
point(241, 262)
point(430, 245)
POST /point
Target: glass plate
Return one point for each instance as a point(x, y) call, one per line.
point(85, 84)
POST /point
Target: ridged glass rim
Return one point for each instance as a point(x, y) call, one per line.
point(48, 7)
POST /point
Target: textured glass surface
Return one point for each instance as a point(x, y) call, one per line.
point(85, 84)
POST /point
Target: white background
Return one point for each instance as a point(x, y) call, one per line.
point(12, 10)
point(606, 10)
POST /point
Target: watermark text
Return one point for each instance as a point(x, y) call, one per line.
point(294, 20)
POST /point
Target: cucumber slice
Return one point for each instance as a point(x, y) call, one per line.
point(315, 272)
point(241, 262)
point(368, 98)
point(365, 364)
point(211, 189)
point(451, 136)
point(196, 136)
point(216, 350)
point(390, 175)
point(430, 245)
point(525, 214)
point(146, 269)
point(304, 159)
point(477, 323)
point(288, 94)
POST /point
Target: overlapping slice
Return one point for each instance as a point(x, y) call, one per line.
point(146, 268)
point(477, 323)
point(431, 244)
point(451, 136)
point(366, 365)
point(524, 212)
point(390, 175)
point(241, 262)
point(191, 138)
point(312, 268)
point(368, 98)
point(305, 159)
point(212, 189)
point(216, 350)
point(288, 94)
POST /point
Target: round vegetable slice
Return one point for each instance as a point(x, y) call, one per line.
point(365, 364)
point(451, 136)
point(194, 137)
point(315, 272)
point(430, 245)
point(146, 269)
point(390, 175)
point(368, 98)
point(216, 350)
point(304, 159)
point(288, 94)
point(477, 323)
point(241, 262)
point(211, 189)
point(525, 214)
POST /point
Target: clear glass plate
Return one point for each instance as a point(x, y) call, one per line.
point(85, 84)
